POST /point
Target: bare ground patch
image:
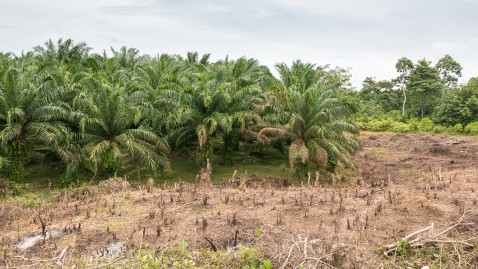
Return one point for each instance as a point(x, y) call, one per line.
point(405, 182)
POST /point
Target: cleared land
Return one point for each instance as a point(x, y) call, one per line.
point(405, 183)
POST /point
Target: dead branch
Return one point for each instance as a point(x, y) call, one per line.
point(417, 238)
point(211, 243)
point(296, 254)
point(57, 258)
point(43, 224)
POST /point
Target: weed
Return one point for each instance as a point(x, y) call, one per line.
point(181, 257)
point(257, 232)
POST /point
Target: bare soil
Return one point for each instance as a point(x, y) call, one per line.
point(404, 183)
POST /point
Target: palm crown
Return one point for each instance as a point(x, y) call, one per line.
point(308, 110)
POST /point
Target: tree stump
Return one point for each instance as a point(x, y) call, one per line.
point(204, 175)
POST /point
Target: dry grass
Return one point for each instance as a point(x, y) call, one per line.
point(346, 226)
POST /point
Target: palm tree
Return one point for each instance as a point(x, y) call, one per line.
point(158, 88)
point(27, 116)
point(64, 52)
point(299, 77)
point(318, 123)
point(126, 64)
point(193, 58)
point(220, 101)
point(3, 162)
point(110, 135)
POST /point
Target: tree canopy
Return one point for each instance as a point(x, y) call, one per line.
point(101, 112)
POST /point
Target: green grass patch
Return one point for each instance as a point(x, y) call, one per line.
point(181, 257)
point(271, 164)
point(40, 175)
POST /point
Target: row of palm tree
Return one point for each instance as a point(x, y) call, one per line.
point(98, 112)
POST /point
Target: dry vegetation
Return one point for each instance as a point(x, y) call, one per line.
point(412, 203)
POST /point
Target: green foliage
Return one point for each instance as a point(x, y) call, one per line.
point(257, 232)
point(203, 153)
point(395, 115)
point(399, 127)
point(181, 257)
point(402, 246)
point(472, 128)
point(425, 89)
point(414, 124)
point(183, 246)
point(101, 114)
point(18, 155)
point(425, 125)
point(422, 90)
point(12, 188)
point(377, 125)
point(66, 181)
point(439, 255)
point(266, 264)
point(309, 110)
point(459, 105)
point(458, 128)
point(3, 162)
point(438, 129)
point(26, 114)
point(379, 96)
point(449, 69)
point(382, 122)
point(109, 133)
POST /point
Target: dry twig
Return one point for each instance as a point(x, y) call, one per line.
point(421, 239)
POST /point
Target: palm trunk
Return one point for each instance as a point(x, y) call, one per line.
point(18, 156)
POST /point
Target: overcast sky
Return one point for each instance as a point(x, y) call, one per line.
point(368, 36)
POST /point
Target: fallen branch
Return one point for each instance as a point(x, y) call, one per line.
point(297, 254)
point(43, 260)
point(417, 238)
point(393, 247)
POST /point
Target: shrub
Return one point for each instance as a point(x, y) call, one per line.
point(362, 125)
point(399, 127)
point(395, 115)
point(438, 129)
point(458, 128)
point(425, 125)
point(378, 125)
point(413, 123)
point(472, 128)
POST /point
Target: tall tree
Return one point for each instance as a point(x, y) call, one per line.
point(449, 70)
point(379, 96)
point(459, 105)
point(425, 87)
point(405, 67)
